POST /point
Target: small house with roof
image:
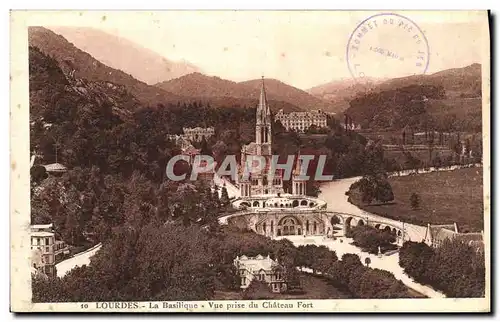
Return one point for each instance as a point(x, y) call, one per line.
point(55, 168)
point(263, 269)
point(435, 235)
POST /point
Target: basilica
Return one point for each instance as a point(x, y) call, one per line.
point(270, 210)
point(264, 182)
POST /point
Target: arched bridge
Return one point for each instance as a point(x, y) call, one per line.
point(285, 221)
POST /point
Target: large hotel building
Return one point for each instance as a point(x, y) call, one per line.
point(301, 121)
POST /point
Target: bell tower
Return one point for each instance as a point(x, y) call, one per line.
point(299, 184)
point(263, 137)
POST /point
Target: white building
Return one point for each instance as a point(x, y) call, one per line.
point(46, 251)
point(261, 268)
point(197, 134)
point(301, 121)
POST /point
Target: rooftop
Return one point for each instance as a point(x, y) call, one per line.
point(42, 234)
point(55, 167)
point(42, 226)
point(256, 264)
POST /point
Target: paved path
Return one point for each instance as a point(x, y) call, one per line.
point(232, 190)
point(77, 260)
point(388, 263)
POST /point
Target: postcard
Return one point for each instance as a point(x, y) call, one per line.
point(250, 161)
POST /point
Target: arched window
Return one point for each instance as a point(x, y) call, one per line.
point(307, 226)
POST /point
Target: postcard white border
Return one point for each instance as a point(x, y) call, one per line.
point(20, 203)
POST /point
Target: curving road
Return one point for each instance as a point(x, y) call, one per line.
point(334, 194)
point(77, 260)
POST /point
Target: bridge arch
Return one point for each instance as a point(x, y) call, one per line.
point(289, 225)
point(245, 204)
point(336, 220)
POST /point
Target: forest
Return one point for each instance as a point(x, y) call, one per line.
point(455, 268)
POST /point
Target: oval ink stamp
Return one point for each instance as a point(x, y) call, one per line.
point(387, 45)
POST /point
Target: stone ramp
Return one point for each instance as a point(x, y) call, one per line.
point(232, 190)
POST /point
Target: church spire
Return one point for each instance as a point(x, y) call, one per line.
point(263, 124)
point(263, 107)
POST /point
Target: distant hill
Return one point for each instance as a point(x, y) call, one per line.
point(340, 92)
point(457, 82)
point(142, 63)
point(83, 65)
point(200, 85)
point(208, 87)
point(280, 91)
point(449, 100)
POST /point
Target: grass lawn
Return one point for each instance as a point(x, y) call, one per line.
point(446, 197)
point(314, 288)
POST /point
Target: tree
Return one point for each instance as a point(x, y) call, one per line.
point(335, 220)
point(205, 149)
point(415, 201)
point(38, 174)
point(437, 162)
point(224, 198)
point(373, 188)
point(370, 238)
point(411, 162)
point(455, 267)
point(257, 290)
point(368, 261)
point(215, 194)
point(384, 191)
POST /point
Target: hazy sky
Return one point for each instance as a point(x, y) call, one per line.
point(303, 49)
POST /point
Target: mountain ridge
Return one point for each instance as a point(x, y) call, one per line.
point(103, 46)
point(83, 65)
point(449, 100)
point(204, 86)
point(462, 81)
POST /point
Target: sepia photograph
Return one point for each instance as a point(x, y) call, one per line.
point(250, 161)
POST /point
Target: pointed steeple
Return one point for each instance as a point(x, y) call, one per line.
point(263, 106)
point(263, 122)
